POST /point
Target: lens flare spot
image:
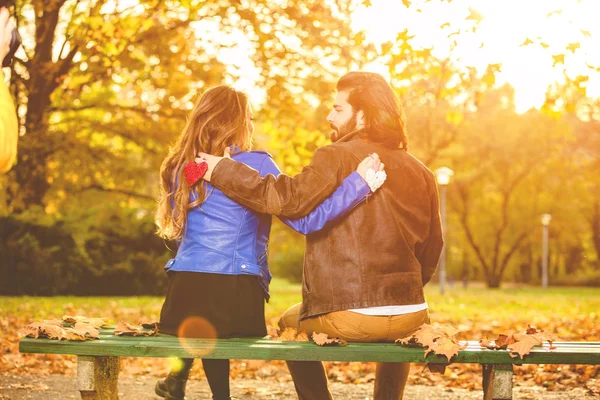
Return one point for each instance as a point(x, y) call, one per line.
point(194, 328)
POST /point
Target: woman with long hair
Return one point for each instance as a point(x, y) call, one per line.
point(219, 279)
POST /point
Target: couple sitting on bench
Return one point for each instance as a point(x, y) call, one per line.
point(368, 251)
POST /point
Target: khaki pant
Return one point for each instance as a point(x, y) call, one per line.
point(309, 377)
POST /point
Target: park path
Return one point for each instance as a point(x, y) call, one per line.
point(20, 387)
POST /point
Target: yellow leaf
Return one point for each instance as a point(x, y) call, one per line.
point(558, 59)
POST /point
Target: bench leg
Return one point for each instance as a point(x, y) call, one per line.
point(97, 377)
point(497, 381)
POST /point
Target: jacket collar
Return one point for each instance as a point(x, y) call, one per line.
point(351, 136)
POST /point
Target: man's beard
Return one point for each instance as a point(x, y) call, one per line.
point(348, 127)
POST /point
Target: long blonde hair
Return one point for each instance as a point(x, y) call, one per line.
point(220, 118)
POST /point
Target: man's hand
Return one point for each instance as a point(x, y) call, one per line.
point(6, 28)
point(212, 162)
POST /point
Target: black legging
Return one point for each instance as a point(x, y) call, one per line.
point(217, 374)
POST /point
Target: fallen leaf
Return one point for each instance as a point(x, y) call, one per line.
point(52, 331)
point(80, 319)
point(523, 345)
point(288, 335)
point(504, 340)
point(323, 340)
point(272, 332)
point(438, 340)
point(446, 346)
point(126, 329)
point(150, 325)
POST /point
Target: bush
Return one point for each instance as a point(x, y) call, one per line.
point(590, 278)
point(122, 257)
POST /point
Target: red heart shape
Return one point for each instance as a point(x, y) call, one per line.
point(194, 172)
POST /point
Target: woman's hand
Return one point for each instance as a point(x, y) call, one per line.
point(371, 169)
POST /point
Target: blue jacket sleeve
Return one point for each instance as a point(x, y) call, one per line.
point(348, 195)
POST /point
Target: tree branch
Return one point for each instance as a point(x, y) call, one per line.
point(516, 245)
point(465, 224)
point(116, 190)
point(177, 114)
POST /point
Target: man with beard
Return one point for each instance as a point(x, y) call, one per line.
point(363, 274)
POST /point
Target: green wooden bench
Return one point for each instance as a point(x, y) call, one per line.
point(98, 360)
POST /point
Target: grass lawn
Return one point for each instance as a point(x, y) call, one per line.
point(571, 313)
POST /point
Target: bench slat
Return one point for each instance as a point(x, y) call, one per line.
point(263, 349)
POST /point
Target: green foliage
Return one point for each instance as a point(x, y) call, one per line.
point(286, 252)
point(120, 256)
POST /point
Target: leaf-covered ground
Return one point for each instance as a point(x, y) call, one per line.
point(477, 312)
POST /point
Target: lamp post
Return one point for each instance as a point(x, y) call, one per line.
point(546, 218)
point(443, 176)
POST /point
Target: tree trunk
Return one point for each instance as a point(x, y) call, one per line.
point(493, 280)
point(34, 149)
point(595, 225)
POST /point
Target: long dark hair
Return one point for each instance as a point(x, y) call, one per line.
point(385, 120)
point(220, 118)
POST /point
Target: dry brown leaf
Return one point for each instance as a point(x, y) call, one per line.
point(72, 334)
point(448, 330)
point(80, 319)
point(272, 332)
point(126, 329)
point(88, 331)
point(446, 347)
point(150, 325)
point(323, 340)
point(406, 340)
point(52, 331)
point(288, 335)
point(31, 330)
point(504, 340)
point(531, 330)
point(302, 337)
point(438, 340)
point(523, 345)
point(426, 335)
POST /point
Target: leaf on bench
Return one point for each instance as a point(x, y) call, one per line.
point(150, 325)
point(126, 329)
point(323, 340)
point(288, 335)
point(438, 340)
point(523, 345)
point(302, 337)
point(53, 329)
point(520, 345)
point(80, 319)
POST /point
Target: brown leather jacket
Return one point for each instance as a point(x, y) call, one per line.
point(381, 253)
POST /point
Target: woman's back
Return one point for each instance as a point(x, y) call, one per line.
point(221, 236)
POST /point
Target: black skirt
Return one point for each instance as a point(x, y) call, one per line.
point(213, 305)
